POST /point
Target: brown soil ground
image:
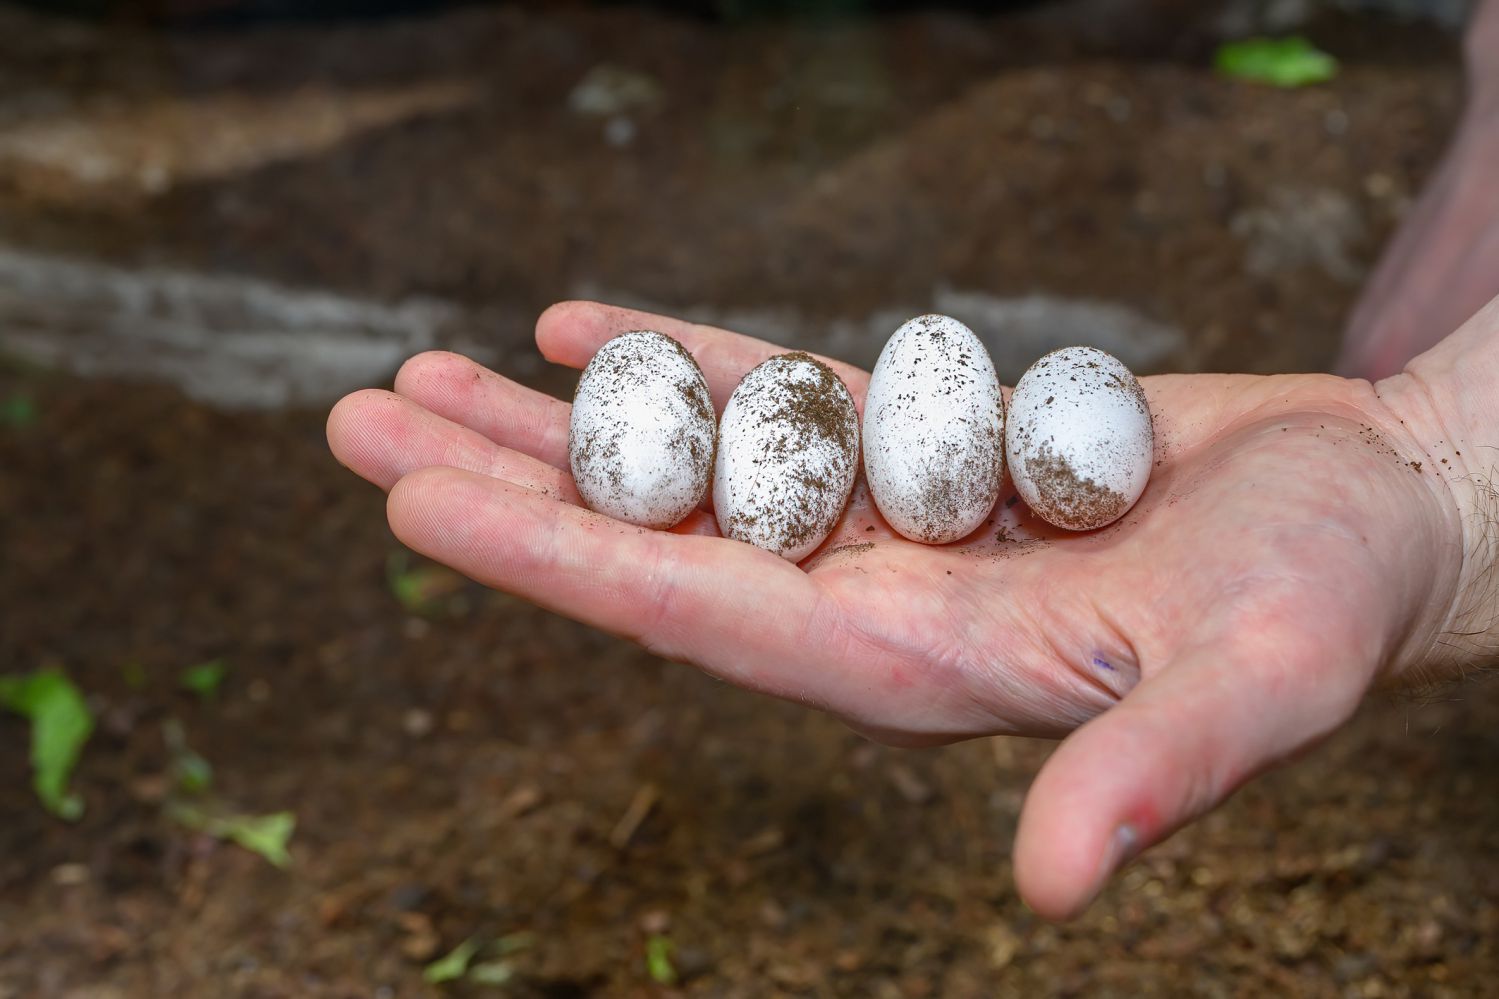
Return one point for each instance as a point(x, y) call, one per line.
point(463, 771)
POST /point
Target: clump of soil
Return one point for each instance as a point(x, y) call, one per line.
point(1067, 499)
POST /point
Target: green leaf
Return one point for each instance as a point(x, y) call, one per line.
point(452, 966)
point(60, 724)
point(1280, 62)
point(658, 960)
point(266, 835)
point(204, 679)
point(18, 411)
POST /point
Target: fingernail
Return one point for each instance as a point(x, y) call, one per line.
point(1119, 850)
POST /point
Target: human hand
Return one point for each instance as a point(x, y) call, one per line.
point(1288, 553)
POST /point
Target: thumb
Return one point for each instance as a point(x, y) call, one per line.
point(1173, 749)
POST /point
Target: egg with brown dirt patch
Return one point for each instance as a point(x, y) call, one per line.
point(642, 437)
point(1078, 438)
point(787, 455)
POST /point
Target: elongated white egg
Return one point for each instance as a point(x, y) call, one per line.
point(934, 431)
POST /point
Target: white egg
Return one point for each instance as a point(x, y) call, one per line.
point(934, 431)
point(788, 450)
point(642, 436)
point(1079, 438)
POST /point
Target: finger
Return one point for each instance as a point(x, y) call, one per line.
point(382, 436)
point(1174, 748)
point(747, 616)
point(469, 394)
point(571, 333)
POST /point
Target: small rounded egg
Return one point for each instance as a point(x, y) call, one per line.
point(934, 431)
point(1079, 438)
point(642, 435)
point(788, 450)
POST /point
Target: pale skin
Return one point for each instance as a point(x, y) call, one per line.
point(1440, 268)
point(1303, 539)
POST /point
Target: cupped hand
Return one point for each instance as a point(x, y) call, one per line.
point(1289, 552)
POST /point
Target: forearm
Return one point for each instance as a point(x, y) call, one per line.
point(1447, 401)
point(1483, 29)
point(1439, 268)
point(1483, 55)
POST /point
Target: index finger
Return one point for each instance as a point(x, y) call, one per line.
point(571, 333)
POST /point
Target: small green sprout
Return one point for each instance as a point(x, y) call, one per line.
point(17, 411)
point(266, 835)
point(419, 587)
point(510, 943)
point(1280, 62)
point(453, 965)
point(459, 962)
point(490, 973)
point(193, 773)
point(134, 675)
point(658, 964)
point(204, 679)
point(60, 724)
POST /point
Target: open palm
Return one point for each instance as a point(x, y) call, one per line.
point(1288, 553)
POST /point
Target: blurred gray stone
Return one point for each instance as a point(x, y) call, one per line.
point(230, 341)
point(1019, 330)
point(608, 90)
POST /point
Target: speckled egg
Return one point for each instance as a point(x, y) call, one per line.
point(1079, 438)
point(788, 449)
point(642, 436)
point(934, 431)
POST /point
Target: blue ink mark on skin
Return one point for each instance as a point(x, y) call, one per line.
point(1102, 664)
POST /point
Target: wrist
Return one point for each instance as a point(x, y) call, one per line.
point(1448, 411)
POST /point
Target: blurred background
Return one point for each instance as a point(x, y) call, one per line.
point(310, 764)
